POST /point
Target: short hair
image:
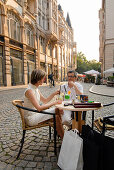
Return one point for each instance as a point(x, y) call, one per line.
point(72, 71)
point(37, 75)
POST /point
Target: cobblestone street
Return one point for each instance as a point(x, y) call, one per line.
point(37, 151)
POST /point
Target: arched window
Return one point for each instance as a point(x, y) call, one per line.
point(0, 22)
point(43, 22)
point(19, 1)
point(29, 38)
point(14, 29)
point(39, 18)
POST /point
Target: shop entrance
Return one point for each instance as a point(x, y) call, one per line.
point(16, 67)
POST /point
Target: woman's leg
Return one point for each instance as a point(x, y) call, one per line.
point(59, 126)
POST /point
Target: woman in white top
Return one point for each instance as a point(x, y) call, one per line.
point(32, 100)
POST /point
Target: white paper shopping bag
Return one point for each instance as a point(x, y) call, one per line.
point(70, 157)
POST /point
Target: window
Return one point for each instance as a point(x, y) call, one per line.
point(30, 57)
point(47, 4)
point(43, 21)
point(47, 24)
point(1, 66)
point(19, 1)
point(0, 22)
point(56, 52)
point(49, 50)
point(42, 65)
point(42, 45)
point(17, 71)
point(39, 18)
point(15, 53)
point(16, 67)
point(39, 2)
point(29, 38)
point(14, 29)
point(30, 65)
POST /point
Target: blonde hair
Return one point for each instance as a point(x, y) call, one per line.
point(37, 75)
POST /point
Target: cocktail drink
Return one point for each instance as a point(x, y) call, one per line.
point(67, 96)
point(61, 97)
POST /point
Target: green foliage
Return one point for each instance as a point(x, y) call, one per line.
point(89, 79)
point(111, 78)
point(84, 65)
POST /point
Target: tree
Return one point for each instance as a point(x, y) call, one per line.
point(84, 65)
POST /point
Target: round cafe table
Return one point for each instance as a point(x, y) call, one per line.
point(78, 118)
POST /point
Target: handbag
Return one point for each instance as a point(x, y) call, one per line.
point(71, 156)
point(98, 150)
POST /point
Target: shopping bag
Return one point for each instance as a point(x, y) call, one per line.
point(98, 150)
point(92, 148)
point(70, 157)
point(108, 153)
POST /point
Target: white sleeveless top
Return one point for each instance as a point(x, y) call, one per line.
point(33, 118)
point(27, 102)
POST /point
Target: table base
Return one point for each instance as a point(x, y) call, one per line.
point(77, 124)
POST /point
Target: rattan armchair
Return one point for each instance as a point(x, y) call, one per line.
point(105, 123)
point(50, 123)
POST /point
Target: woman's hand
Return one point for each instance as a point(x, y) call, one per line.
point(57, 92)
point(58, 102)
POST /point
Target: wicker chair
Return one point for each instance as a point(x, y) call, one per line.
point(50, 123)
point(105, 123)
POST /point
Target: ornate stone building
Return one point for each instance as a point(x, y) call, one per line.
point(34, 34)
point(106, 38)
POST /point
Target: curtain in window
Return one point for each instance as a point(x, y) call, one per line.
point(29, 35)
point(18, 32)
point(13, 26)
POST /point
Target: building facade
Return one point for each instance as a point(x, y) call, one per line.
point(106, 37)
point(34, 34)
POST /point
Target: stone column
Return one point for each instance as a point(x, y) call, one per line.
point(46, 64)
point(61, 65)
point(7, 62)
point(36, 8)
point(53, 58)
point(64, 62)
point(25, 64)
point(36, 48)
point(7, 80)
point(25, 79)
point(58, 62)
point(50, 15)
point(38, 52)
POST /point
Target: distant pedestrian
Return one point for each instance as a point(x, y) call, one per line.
point(51, 78)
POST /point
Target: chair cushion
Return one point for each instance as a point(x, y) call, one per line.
point(99, 125)
point(109, 121)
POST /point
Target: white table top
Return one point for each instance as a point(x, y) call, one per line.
point(72, 108)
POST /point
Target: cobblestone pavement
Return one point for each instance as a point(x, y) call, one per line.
point(37, 150)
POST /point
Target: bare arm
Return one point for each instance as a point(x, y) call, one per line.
point(31, 97)
point(46, 100)
point(78, 92)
